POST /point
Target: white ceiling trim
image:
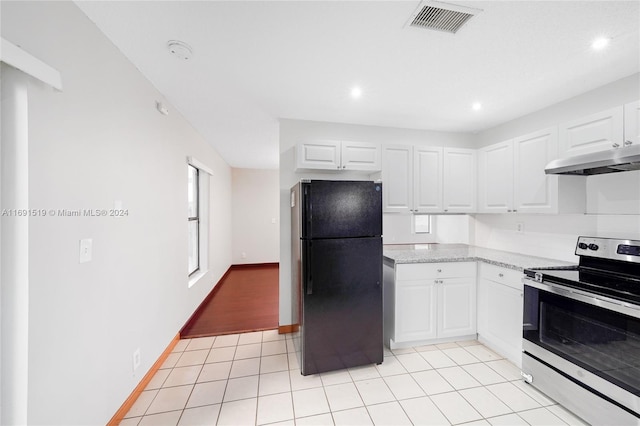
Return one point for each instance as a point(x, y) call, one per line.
point(16, 57)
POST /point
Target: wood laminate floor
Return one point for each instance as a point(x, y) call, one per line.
point(247, 300)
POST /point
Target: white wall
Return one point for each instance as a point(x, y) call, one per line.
point(98, 141)
point(256, 216)
point(295, 131)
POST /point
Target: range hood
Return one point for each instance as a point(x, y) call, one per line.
point(610, 161)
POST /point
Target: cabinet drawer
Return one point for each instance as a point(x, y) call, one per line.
point(508, 277)
point(421, 271)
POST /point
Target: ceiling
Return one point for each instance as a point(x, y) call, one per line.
point(256, 62)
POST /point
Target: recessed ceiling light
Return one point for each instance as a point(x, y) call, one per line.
point(476, 106)
point(600, 43)
point(356, 92)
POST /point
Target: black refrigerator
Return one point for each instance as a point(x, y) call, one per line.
point(337, 273)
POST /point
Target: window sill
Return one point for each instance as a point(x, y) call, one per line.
point(193, 279)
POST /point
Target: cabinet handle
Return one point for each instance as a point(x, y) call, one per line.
point(514, 210)
point(501, 275)
point(616, 145)
point(627, 143)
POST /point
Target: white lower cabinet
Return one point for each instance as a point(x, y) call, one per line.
point(416, 313)
point(456, 307)
point(500, 301)
point(429, 302)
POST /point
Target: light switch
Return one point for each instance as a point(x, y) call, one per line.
point(85, 250)
point(273, 220)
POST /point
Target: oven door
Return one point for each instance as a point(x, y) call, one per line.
point(594, 341)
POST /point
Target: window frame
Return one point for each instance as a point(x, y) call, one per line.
point(415, 228)
point(196, 218)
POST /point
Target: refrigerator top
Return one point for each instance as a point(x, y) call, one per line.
point(340, 209)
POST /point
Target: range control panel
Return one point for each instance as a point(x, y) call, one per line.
point(609, 248)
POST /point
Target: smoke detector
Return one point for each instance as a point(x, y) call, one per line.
point(434, 15)
point(180, 49)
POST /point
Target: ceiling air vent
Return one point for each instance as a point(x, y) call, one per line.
point(441, 16)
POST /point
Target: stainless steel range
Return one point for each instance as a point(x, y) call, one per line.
point(581, 332)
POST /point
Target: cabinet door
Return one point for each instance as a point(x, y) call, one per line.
point(427, 179)
point(632, 122)
point(459, 188)
point(415, 310)
point(503, 327)
point(397, 178)
point(456, 307)
point(534, 191)
point(360, 156)
point(495, 178)
point(596, 132)
point(323, 155)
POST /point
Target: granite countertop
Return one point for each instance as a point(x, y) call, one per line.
point(429, 253)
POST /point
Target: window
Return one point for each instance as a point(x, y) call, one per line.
point(198, 195)
point(421, 223)
point(193, 219)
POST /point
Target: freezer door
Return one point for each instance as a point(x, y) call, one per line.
point(341, 304)
point(342, 209)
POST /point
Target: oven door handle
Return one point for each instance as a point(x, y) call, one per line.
point(591, 299)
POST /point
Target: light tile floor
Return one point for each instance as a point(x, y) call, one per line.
point(254, 378)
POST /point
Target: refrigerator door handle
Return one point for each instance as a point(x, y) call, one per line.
point(308, 268)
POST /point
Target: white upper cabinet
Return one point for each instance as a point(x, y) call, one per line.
point(596, 132)
point(360, 156)
point(427, 179)
point(495, 178)
point(632, 123)
point(511, 178)
point(537, 192)
point(338, 155)
point(534, 191)
point(459, 181)
point(397, 178)
point(322, 155)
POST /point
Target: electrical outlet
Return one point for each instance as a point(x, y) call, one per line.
point(136, 359)
point(244, 255)
point(520, 228)
point(86, 247)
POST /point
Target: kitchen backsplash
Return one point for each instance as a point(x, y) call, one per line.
point(549, 236)
point(397, 229)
